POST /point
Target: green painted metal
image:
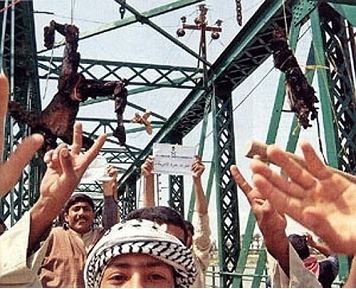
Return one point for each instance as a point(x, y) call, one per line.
point(337, 45)
point(138, 90)
point(139, 73)
point(330, 134)
point(271, 136)
point(200, 152)
point(127, 199)
point(20, 45)
point(260, 268)
point(176, 182)
point(245, 53)
point(133, 19)
point(245, 249)
point(347, 11)
point(144, 20)
point(226, 191)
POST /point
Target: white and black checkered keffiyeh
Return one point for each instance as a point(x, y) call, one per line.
point(145, 237)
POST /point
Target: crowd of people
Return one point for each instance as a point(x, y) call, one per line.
point(154, 246)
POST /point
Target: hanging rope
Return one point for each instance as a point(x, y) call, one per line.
point(48, 73)
point(285, 19)
point(72, 3)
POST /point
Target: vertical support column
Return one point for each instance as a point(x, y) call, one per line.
point(336, 93)
point(324, 92)
point(24, 88)
point(176, 183)
point(226, 191)
point(127, 198)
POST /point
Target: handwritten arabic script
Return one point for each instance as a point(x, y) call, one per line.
point(172, 159)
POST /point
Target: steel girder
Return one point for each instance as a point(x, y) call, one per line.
point(142, 74)
point(226, 191)
point(20, 65)
point(244, 54)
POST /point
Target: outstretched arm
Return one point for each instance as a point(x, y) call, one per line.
point(65, 169)
point(201, 204)
point(321, 247)
point(315, 196)
point(11, 170)
point(148, 194)
point(271, 223)
point(110, 210)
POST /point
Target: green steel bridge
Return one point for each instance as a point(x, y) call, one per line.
point(331, 24)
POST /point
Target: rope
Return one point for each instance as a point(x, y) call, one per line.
point(285, 17)
point(48, 73)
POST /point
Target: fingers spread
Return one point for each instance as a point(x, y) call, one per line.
point(278, 199)
point(296, 172)
point(314, 163)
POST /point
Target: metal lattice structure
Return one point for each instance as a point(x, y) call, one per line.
point(332, 26)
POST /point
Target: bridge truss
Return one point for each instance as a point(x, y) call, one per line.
point(332, 49)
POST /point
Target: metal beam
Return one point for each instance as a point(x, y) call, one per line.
point(133, 19)
point(156, 75)
point(144, 20)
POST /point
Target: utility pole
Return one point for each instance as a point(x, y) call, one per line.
point(201, 24)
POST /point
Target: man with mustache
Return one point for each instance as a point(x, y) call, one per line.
point(68, 246)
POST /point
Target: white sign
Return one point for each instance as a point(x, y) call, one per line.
point(173, 159)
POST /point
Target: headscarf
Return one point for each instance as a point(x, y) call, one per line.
point(145, 237)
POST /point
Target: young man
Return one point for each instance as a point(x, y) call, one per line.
point(68, 246)
point(20, 251)
point(199, 233)
point(139, 254)
point(325, 270)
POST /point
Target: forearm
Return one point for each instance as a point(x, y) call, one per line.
point(323, 249)
point(278, 246)
point(110, 212)
point(201, 205)
point(148, 195)
point(42, 214)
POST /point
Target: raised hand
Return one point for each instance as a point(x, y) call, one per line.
point(147, 167)
point(11, 170)
point(65, 169)
point(271, 223)
point(197, 167)
point(110, 186)
point(316, 197)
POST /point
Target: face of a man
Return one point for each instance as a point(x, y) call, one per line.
point(80, 217)
point(137, 271)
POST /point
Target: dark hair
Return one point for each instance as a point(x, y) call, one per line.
point(76, 198)
point(189, 226)
point(160, 215)
point(300, 245)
